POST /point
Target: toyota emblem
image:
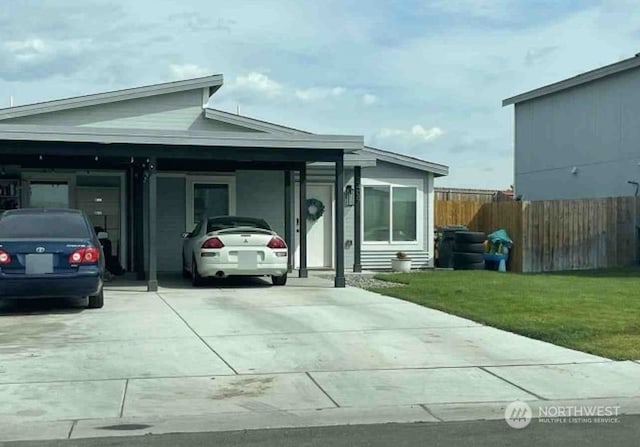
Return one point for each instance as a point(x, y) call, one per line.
point(39, 249)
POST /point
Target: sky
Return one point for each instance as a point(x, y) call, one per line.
point(420, 77)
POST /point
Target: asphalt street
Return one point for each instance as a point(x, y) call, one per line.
point(459, 434)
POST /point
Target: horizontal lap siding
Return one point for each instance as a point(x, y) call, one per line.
point(261, 194)
point(381, 259)
point(172, 111)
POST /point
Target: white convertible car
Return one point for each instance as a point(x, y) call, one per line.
point(224, 246)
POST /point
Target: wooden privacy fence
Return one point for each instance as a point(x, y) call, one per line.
point(555, 235)
point(485, 217)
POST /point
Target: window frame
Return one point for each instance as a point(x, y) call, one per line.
point(418, 184)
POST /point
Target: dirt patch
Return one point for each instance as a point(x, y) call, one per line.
point(245, 387)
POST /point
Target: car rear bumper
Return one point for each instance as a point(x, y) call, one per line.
point(209, 269)
point(41, 286)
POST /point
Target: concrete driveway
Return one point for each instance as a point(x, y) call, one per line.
point(251, 349)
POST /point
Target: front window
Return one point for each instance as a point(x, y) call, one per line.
point(377, 209)
point(390, 213)
point(404, 214)
point(48, 195)
point(210, 200)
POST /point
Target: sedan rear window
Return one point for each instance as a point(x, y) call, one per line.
point(222, 223)
point(44, 225)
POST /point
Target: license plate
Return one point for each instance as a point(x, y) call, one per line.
point(39, 264)
point(247, 259)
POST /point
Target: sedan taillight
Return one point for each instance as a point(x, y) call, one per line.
point(276, 242)
point(5, 258)
point(86, 255)
point(213, 242)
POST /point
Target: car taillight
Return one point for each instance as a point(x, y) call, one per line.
point(86, 255)
point(276, 242)
point(213, 242)
point(5, 258)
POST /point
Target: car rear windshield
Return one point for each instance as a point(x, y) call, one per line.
point(44, 225)
point(222, 223)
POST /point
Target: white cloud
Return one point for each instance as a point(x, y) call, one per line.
point(258, 83)
point(426, 134)
point(319, 93)
point(26, 46)
point(417, 131)
point(369, 99)
point(187, 71)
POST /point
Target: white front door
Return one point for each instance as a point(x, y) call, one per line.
point(320, 231)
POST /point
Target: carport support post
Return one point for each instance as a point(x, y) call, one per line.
point(302, 227)
point(152, 280)
point(288, 216)
point(357, 219)
point(339, 222)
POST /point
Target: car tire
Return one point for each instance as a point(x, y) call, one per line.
point(196, 279)
point(462, 259)
point(279, 280)
point(470, 237)
point(472, 266)
point(467, 247)
point(96, 301)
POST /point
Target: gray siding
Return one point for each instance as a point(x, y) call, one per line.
point(173, 111)
point(349, 230)
point(592, 127)
point(261, 194)
point(171, 222)
point(423, 256)
point(381, 259)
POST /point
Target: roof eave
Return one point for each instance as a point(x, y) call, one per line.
point(438, 170)
point(580, 79)
point(24, 132)
point(250, 123)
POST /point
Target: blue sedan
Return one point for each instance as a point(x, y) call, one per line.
point(46, 253)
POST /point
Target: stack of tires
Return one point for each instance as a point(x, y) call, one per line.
point(468, 250)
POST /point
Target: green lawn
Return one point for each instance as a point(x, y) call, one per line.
point(596, 311)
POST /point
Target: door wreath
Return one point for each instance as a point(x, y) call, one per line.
point(315, 209)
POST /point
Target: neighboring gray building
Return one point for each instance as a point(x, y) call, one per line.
point(98, 152)
point(579, 138)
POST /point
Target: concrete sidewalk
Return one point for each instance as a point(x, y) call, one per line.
point(247, 355)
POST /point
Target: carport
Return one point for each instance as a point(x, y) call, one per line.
point(142, 154)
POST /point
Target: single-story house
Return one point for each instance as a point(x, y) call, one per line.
point(146, 163)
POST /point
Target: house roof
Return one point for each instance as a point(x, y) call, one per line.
point(213, 83)
point(365, 157)
point(270, 135)
point(251, 123)
point(405, 160)
point(583, 78)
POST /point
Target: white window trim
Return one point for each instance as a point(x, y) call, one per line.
point(230, 181)
point(398, 245)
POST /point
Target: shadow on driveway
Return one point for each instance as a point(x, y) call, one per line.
point(129, 283)
point(39, 306)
